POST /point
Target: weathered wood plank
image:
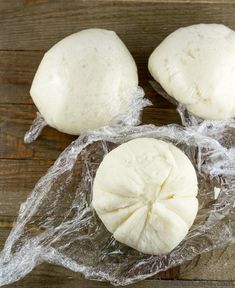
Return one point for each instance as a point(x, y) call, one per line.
point(4, 231)
point(46, 275)
point(6, 4)
point(14, 94)
point(180, 1)
point(15, 120)
point(37, 25)
point(18, 67)
point(17, 179)
point(215, 265)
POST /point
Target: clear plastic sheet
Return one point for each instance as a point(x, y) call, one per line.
point(57, 223)
point(131, 117)
point(209, 127)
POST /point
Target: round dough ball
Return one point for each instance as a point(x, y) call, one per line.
point(196, 66)
point(84, 81)
point(145, 194)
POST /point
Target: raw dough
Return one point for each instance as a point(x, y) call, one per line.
point(145, 194)
point(196, 66)
point(84, 81)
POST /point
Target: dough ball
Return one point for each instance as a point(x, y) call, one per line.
point(84, 81)
point(145, 194)
point(196, 66)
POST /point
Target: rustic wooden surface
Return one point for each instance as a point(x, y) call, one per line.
point(30, 27)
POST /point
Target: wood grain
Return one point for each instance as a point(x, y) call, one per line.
point(178, 1)
point(215, 265)
point(30, 27)
point(47, 276)
point(37, 25)
point(15, 120)
point(17, 179)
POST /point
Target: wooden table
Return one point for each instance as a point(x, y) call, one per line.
point(27, 29)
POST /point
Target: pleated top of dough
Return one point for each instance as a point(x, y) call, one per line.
point(145, 194)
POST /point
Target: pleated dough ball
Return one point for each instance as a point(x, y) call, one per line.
point(196, 66)
point(84, 81)
point(145, 194)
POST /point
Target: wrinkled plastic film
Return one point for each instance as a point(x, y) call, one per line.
point(57, 223)
point(35, 129)
point(131, 117)
point(221, 130)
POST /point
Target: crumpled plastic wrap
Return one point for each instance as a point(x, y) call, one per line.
point(130, 117)
point(57, 223)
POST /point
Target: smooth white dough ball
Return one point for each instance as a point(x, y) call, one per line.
point(196, 66)
point(145, 194)
point(84, 81)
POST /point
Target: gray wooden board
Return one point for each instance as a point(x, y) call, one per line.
point(27, 29)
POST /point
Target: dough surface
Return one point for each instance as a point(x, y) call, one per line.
point(84, 81)
point(196, 66)
point(145, 194)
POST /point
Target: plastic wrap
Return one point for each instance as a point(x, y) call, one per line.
point(131, 117)
point(209, 128)
point(57, 223)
